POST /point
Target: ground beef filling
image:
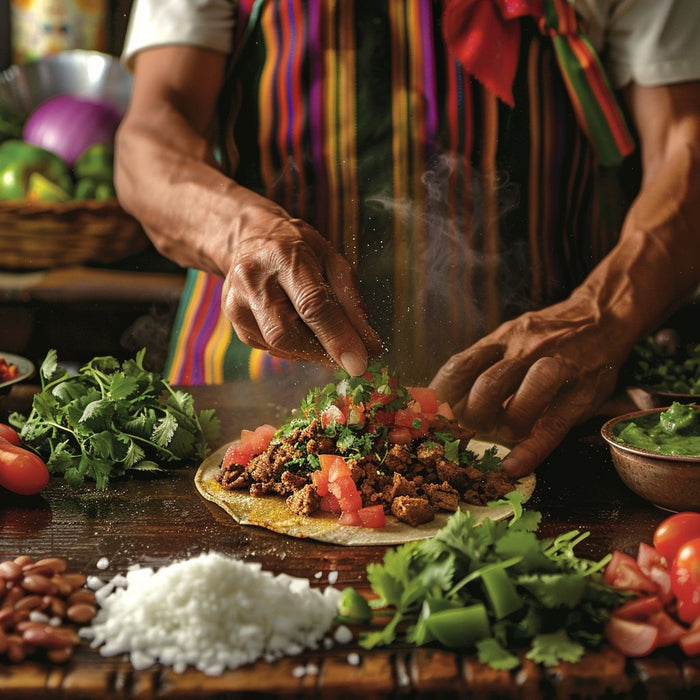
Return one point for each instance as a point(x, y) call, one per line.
point(411, 485)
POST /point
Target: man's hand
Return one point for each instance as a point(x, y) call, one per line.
point(288, 292)
point(530, 381)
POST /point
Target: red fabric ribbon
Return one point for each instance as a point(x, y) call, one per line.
point(482, 37)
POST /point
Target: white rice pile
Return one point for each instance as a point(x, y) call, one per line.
point(212, 612)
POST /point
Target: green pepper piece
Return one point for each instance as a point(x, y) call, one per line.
point(460, 628)
point(420, 634)
point(501, 592)
point(353, 608)
point(19, 159)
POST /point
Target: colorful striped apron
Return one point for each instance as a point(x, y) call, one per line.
point(456, 210)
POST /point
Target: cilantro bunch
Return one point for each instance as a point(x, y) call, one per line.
point(492, 586)
point(112, 418)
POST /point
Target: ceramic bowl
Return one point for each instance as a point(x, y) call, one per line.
point(671, 482)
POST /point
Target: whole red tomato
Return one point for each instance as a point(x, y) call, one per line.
point(685, 580)
point(10, 434)
point(675, 531)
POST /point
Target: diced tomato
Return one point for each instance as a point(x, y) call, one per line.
point(339, 468)
point(330, 504)
point(407, 418)
point(350, 518)
point(400, 435)
point(385, 417)
point(623, 572)
point(690, 642)
point(239, 454)
point(639, 608)
point(327, 460)
point(253, 442)
point(670, 632)
point(649, 557)
point(655, 567)
point(332, 414)
point(260, 438)
point(372, 516)
point(319, 478)
point(630, 637)
point(345, 490)
point(445, 410)
point(425, 397)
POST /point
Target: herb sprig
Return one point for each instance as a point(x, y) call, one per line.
point(491, 586)
point(111, 418)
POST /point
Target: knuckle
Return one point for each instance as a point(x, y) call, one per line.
point(312, 302)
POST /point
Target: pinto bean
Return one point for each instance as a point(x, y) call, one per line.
point(81, 613)
point(47, 636)
point(35, 583)
point(10, 571)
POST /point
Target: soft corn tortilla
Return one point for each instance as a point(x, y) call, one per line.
point(271, 512)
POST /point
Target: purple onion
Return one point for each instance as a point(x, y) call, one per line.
point(68, 124)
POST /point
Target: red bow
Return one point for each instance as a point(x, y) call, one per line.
point(481, 35)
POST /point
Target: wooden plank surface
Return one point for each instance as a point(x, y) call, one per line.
point(153, 522)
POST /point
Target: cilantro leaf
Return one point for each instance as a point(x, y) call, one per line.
point(551, 649)
point(492, 653)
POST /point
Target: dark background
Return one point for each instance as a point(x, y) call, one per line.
point(116, 21)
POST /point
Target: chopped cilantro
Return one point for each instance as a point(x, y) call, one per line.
point(539, 596)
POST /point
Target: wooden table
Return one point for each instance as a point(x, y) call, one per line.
point(154, 522)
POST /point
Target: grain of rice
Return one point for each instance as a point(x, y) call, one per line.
point(212, 612)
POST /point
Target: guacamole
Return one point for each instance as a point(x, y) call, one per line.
point(675, 431)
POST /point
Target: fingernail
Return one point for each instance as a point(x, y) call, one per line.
point(353, 364)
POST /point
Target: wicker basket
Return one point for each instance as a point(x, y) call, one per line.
point(37, 235)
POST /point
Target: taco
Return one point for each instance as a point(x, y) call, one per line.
point(397, 450)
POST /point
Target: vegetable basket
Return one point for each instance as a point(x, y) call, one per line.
point(44, 234)
point(38, 235)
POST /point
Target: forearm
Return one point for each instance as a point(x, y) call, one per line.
point(165, 176)
point(656, 264)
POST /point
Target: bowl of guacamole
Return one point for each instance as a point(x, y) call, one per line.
point(656, 453)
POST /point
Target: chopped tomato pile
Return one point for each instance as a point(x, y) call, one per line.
point(404, 424)
point(8, 371)
point(339, 494)
point(665, 577)
point(253, 443)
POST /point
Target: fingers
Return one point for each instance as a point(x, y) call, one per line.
point(546, 435)
point(540, 385)
point(295, 297)
point(455, 378)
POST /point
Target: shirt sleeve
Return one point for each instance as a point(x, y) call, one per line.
point(205, 23)
point(649, 42)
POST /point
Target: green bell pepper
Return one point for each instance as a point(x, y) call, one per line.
point(19, 159)
point(94, 188)
point(96, 161)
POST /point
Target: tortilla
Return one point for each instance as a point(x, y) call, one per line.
point(272, 513)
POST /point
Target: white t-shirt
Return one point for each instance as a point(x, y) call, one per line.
point(651, 42)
